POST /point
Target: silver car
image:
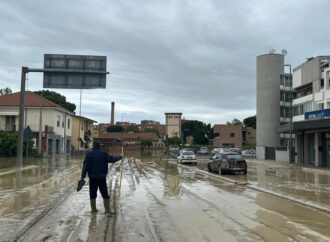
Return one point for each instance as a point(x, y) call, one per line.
point(187, 157)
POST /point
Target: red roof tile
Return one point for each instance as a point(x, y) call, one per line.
point(31, 100)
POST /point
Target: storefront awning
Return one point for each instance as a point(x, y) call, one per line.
point(305, 125)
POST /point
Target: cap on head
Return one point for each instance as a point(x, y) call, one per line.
point(96, 144)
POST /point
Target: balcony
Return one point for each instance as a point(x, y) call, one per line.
point(303, 99)
point(8, 127)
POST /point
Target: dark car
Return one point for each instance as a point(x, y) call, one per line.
point(229, 162)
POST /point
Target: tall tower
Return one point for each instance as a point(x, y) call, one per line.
point(270, 67)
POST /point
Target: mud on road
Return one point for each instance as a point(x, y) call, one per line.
point(161, 201)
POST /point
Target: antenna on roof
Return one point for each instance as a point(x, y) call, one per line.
point(271, 50)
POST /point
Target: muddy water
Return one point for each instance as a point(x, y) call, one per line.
point(161, 201)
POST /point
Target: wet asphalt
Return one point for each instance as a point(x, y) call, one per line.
point(154, 199)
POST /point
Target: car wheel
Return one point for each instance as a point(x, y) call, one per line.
point(195, 163)
point(209, 168)
point(244, 172)
point(219, 171)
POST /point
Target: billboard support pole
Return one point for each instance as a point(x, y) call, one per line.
point(19, 158)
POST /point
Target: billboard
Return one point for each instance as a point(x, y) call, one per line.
point(74, 71)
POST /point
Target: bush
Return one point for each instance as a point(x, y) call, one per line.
point(8, 144)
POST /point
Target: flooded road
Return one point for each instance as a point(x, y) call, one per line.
point(162, 201)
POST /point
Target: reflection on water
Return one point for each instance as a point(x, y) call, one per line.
point(172, 181)
point(36, 178)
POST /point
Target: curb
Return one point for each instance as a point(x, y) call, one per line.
point(303, 202)
point(293, 199)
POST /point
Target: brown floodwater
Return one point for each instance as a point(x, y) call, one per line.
point(157, 200)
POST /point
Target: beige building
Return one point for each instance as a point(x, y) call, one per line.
point(173, 124)
point(82, 133)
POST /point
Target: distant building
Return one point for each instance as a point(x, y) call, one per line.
point(249, 137)
point(228, 135)
point(173, 124)
point(82, 132)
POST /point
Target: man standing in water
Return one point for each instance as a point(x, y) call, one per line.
point(96, 166)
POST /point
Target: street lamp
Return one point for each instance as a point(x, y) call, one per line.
point(122, 121)
point(290, 141)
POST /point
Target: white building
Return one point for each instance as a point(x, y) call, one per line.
point(56, 122)
point(311, 121)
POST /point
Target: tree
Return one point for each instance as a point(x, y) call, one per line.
point(114, 129)
point(250, 121)
point(200, 131)
point(5, 91)
point(57, 98)
point(133, 128)
point(234, 122)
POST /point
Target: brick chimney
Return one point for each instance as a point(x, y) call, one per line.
point(112, 113)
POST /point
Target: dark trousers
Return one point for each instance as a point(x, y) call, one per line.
point(98, 183)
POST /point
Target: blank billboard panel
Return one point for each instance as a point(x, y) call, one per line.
point(74, 71)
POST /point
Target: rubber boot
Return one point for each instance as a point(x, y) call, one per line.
point(106, 203)
point(93, 205)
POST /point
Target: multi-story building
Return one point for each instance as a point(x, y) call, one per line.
point(273, 104)
point(173, 124)
point(228, 135)
point(82, 132)
point(311, 121)
point(48, 121)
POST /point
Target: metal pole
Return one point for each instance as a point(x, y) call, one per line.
point(290, 143)
point(40, 129)
point(19, 158)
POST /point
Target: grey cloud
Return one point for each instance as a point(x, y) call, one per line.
point(194, 57)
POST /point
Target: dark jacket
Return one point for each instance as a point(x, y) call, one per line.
point(96, 163)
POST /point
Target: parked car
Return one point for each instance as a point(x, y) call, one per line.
point(174, 150)
point(249, 153)
point(187, 157)
point(236, 150)
point(223, 150)
point(203, 151)
point(229, 162)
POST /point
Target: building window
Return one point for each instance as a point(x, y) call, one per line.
point(322, 83)
point(68, 123)
point(58, 121)
point(232, 134)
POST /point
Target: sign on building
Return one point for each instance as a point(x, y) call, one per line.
point(324, 113)
point(74, 71)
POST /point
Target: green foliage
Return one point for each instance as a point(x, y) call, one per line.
point(234, 122)
point(250, 121)
point(8, 144)
point(133, 128)
point(5, 91)
point(174, 141)
point(146, 143)
point(200, 131)
point(114, 129)
point(57, 98)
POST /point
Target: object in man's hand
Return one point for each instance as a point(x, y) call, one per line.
point(80, 184)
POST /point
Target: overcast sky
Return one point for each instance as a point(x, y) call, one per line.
point(197, 57)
